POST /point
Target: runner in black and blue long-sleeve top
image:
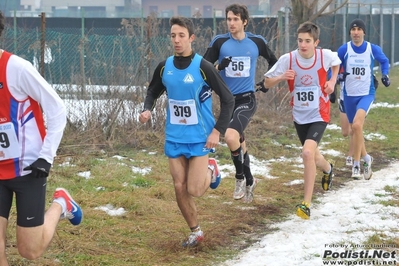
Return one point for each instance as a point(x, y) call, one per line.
point(236, 53)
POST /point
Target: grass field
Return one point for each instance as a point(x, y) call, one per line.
point(151, 229)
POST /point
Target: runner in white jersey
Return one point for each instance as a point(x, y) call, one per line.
point(343, 119)
point(305, 71)
point(27, 150)
point(358, 58)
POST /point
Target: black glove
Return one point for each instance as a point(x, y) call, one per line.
point(375, 80)
point(333, 97)
point(385, 80)
point(225, 63)
point(40, 168)
point(342, 76)
point(261, 87)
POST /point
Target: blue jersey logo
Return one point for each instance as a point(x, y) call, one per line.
point(205, 94)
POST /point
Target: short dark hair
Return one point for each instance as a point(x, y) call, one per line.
point(183, 22)
point(311, 28)
point(2, 22)
point(241, 10)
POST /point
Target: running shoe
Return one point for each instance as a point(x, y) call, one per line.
point(303, 210)
point(239, 191)
point(356, 172)
point(326, 180)
point(216, 177)
point(194, 238)
point(249, 191)
point(73, 212)
point(349, 161)
point(367, 172)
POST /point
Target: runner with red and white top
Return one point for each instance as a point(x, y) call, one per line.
point(305, 71)
point(27, 151)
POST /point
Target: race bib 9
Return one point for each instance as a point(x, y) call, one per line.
point(9, 148)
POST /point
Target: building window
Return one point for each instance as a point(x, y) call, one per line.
point(208, 12)
point(184, 11)
point(219, 13)
point(167, 13)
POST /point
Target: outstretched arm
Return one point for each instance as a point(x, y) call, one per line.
point(154, 91)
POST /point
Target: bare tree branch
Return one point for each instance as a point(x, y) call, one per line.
point(321, 12)
point(306, 10)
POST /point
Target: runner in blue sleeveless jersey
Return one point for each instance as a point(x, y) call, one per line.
point(190, 132)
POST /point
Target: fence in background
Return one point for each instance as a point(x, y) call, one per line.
point(126, 51)
point(121, 54)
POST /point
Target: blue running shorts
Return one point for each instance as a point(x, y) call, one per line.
point(175, 150)
point(354, 103)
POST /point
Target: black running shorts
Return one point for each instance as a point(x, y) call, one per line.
point(313, 131)
point(244, 108)
point(30, 195)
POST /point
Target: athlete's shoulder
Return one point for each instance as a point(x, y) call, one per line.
point(255, 36)
point(162, 63)
point(15, 59)
point(220, 38)
point(375, 48)
point(223, 35)
point(158, 72)
point(343, 47)
point(342, 50)
point(328, 52)
point(259, 40)
point(20, 66)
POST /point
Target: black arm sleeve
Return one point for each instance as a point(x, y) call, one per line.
point(212, 52)
point(156, 87)
point(265, 51)
point(217, 84)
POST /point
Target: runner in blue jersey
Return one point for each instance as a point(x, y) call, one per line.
point(358, 58)
point(344, 123)
point(237, 53)
point(191, 131)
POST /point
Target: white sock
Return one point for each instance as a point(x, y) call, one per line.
point(367, 158)
point(329, 171)
point(62, 202)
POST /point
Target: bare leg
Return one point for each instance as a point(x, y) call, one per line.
point(358, 138)
point(3, 229)
point(191, 179)
point(346, 131)
point(33, 241)
point(308, 157)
